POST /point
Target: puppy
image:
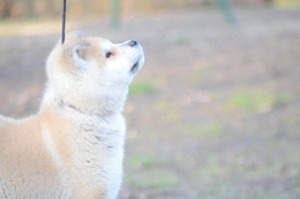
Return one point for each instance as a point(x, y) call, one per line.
point(73, 147)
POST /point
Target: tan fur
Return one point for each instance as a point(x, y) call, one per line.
point(53, 122)
point(14, 139)
point(73, 147)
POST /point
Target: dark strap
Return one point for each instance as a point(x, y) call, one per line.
point(63, 22)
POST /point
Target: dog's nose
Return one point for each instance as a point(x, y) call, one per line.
point(132, 43)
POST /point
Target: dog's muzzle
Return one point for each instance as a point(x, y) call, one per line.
point(135, 67)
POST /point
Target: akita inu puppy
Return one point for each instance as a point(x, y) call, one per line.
point(73, 147)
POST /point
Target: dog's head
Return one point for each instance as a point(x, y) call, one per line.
point(92, 73)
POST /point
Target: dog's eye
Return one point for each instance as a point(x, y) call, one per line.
point(108, 54)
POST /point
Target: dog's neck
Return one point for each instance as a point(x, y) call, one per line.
point(60, 102)
point(53, 100)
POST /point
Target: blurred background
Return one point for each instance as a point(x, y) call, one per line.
point(215, 112)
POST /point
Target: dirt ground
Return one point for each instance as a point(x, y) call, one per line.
point(215, 113)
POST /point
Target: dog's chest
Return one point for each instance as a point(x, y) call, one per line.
point(98, 152)
point(102, 136)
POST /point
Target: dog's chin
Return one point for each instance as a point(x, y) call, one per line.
point(136, 66)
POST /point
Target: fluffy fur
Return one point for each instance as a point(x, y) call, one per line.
point(73, 147)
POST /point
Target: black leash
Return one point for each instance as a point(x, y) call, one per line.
point(63, 22)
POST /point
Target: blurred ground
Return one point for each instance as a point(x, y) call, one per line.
point(215, 113)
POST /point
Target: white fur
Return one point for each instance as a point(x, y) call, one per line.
point(82, 126)
point(50, 145)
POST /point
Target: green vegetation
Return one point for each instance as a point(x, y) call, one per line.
point(230, 191)
point(257, 99)
point(153, 179)
point(140, 87)
point(221, 191)
point(282, 99)
point(169, 112)
point(287, 3)
point(250, 99)
point(213, 167)
point(213, 129)
point(141, 160)
point(268, 195)
point(179, 40)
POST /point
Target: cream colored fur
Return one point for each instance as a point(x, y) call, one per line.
point(73, 147)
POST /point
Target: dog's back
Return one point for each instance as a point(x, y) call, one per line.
point(26, 171)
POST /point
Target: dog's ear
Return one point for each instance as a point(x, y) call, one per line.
point(74, 36)
point(75, 48)
point(78, 53)
point(75, 52)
